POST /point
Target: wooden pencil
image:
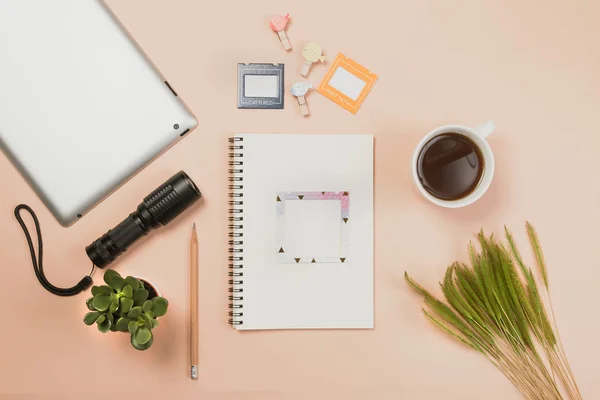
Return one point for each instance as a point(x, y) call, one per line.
point(194, 304)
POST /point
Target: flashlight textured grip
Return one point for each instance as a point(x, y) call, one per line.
point(169, 200)
point(158, 208)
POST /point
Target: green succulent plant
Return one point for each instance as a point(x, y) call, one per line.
point(123, 305)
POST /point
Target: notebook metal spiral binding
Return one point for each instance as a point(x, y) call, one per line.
point(236, 241)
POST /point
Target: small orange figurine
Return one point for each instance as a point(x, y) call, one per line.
point(278, 25)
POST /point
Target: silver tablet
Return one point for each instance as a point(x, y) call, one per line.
point(81, 107)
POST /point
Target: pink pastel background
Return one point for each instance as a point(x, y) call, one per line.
point(530, 65)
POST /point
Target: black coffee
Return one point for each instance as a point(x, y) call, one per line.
point(450, 166)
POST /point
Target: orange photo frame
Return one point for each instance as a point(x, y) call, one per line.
point(347, 83)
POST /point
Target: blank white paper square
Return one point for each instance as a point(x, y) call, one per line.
point(313, 227)
point(261, 85)
point(348, 84)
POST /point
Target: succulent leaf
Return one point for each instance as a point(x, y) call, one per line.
point(143, 335)
point(101, 302)
point(114, 306)
point(89, 304)
point(126, 305)
point(117, 283)
point(135, 312)
point(160, 306)
point(138, 346)
point(122, 324)
point(147, 306)
point(91, 317)
point(133, 282)
point(127, 291)
point(140, 296)
point(108, 275)
point(147, 322)
point(96, 290)
point(104, 326)
point(132, 327)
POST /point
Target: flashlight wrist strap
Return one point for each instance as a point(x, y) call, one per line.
point(37, 261)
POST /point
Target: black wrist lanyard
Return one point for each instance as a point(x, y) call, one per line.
point(37, 261)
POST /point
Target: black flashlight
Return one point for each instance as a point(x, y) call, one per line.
point(158, 209)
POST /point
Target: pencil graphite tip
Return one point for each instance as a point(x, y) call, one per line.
point(194, 226)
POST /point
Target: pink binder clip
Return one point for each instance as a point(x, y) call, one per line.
point(278, 25)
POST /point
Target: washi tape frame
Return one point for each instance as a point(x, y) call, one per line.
point(261, 70)
point(284, 256)
point(340, 83)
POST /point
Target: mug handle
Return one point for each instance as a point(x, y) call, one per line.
point(485, 129)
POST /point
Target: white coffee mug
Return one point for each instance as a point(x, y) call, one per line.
point(478, 136)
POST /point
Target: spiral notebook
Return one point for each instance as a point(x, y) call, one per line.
point(301, 231)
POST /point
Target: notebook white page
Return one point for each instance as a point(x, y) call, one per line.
point(324, 184)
